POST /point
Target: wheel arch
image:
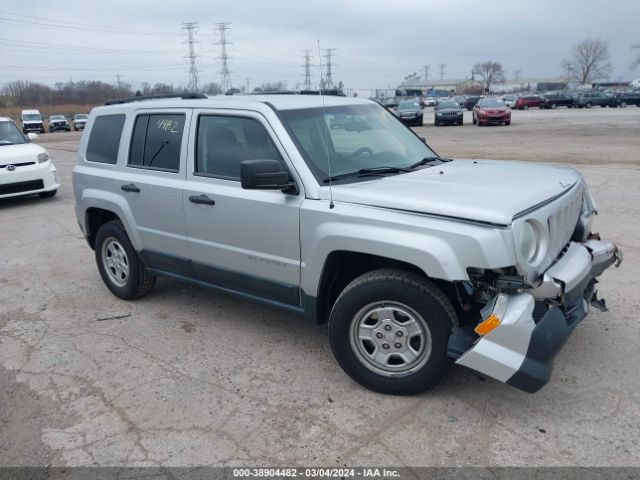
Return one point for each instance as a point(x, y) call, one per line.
point(100, 210)
point(341, 267)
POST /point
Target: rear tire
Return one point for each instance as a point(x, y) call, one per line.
point(119, 265)
point(526, 107)
point(389, 331)
point(588, 105)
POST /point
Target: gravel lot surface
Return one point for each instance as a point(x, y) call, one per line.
point(187, 376)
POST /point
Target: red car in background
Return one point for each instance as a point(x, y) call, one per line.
point(491, 111)
point(528, 101)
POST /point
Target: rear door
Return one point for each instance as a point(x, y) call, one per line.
point(244, 240)
point(152, 183)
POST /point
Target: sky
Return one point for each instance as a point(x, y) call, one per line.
point(377, 43)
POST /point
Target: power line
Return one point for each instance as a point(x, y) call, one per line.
point(67, 25)
point(225, 73)
point(307, 69)
point(40, 46)
point(190, 29)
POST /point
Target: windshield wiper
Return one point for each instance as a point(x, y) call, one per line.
point(427, 160)
point(363, 172)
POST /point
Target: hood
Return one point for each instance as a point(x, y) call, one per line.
point(31, 121)
point(26, 152)
point(489, 191)
point(452, 109)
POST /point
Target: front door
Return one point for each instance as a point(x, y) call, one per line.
point(243, 240)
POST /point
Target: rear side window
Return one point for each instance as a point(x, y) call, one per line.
point(156, 142)
point(105, 139)
point(224, 142)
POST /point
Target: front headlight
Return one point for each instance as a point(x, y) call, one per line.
point(43, 157)
point(529, 242)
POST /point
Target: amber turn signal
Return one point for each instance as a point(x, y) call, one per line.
point(491, 323)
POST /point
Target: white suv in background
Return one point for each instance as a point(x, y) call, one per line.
point(25, 168)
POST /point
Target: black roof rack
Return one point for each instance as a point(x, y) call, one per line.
point(183, 96)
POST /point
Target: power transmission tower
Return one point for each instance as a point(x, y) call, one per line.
point(329, 75)
point(190, 29)
point(517, 72)
point(225, 73)
point(426, 73)
point(442, 67)
point(307, 70)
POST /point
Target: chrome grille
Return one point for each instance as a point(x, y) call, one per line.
point(561, 225)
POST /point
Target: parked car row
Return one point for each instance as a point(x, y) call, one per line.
point(585, 99)
point(33, 121)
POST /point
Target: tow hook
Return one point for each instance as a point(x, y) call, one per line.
point(598, 303)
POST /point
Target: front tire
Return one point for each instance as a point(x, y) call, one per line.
point(389, 331)
point(119, 265)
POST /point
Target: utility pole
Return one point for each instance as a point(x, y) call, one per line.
point(329, 75)
point(117, 79)
point(307, 70)
point(225, 73)
point(426, 73)
point(190, 29)
point(248, 91)
point(442, 66)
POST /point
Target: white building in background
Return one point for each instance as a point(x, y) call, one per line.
point(635, 83)
point(530, 85)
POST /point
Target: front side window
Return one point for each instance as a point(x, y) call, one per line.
point(156, 142)
point(225, 141)
point(104, 140)
point(368, 137)
point(10, 135)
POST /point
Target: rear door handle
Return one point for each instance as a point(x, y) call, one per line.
point(130, 188)
point(202, 199)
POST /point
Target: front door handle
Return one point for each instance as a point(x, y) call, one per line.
point(130, 188)
point(202, 199)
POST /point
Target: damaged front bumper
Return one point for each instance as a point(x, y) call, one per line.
point(536, 322)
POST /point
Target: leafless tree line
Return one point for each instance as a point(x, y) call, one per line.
point(26, 93)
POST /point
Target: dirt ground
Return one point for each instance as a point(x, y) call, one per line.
point(187, 376)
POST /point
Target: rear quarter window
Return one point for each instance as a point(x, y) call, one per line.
point(104, 139)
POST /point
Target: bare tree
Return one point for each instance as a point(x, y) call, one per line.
point(490, 72)
point(588, 60)
point(636, 62)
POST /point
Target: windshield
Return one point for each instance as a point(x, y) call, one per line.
point(57, 117)
point(491, 102)
point(408, 106)
point(10, 135)
point(447, 104)
point(368, 136)
point(31, 117)
point(81, 116)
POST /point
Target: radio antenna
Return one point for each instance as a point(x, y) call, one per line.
point(326, 130)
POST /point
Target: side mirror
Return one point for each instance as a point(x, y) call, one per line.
point(265, 175)
point(424, 140)
point(32, 136)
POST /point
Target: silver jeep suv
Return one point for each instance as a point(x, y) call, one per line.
point(332, 208)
